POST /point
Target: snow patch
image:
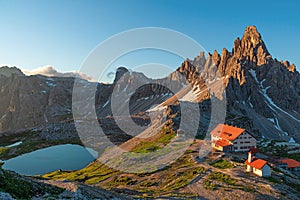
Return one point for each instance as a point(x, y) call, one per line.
point(105, 104)
point(292, 140)
point(251, 105)
point(272, 104)
point(253, 73)
point(50, 84)
point(14, 144)
point(3, 116)
point(124, 90)
point(277, 126)
point(45, 117)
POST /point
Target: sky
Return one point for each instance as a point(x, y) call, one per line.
point(36, 33)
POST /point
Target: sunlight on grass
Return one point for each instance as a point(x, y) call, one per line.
point(222, 164)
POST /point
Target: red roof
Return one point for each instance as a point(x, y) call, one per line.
point(227, 132)
point(256, 163)
point(222, 143)
point(290, 162)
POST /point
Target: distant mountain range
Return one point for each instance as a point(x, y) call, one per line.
point(262, 93)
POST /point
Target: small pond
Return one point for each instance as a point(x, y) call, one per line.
point(59, 157)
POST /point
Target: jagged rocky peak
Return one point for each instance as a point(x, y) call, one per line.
point(199, 60)
point(8, 71)
point(216, 58)
point(290, 67)
point(252, 35)
point(251, 47)
point(187, 66)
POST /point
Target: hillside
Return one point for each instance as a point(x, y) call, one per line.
point(155, 138)
point(211, 177)
point(257, 87)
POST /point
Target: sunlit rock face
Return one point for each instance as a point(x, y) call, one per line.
point(255, 85)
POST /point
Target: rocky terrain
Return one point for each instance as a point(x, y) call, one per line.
point(14, 186)
point(216, 176)
point(256, 87)
point(245, 87)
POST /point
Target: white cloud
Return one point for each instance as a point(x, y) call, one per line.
point(51, 71)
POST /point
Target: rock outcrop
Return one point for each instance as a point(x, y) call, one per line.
point(255, 86)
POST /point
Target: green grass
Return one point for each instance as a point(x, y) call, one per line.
point(93, 173)
point(146, 147)
point(166, 137)
point(3, 151)
point(16, 187)
point(209, 185)
point(157, 182)
point(121, 180)
point(273, 180)
point(189, 151)
point(180, 180)
point(20, 188)
point(218, 176)
point(294, 185)
point(281, 151)
point(163, 181)
point(222, 164)
point(224, 178)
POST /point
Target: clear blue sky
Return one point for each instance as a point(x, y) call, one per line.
point(61, 33)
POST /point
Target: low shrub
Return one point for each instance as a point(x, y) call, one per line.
point(218, 176)
point(222, 164)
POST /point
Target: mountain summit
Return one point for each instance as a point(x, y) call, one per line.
point(260, 91)
point(257, 86)
point(251, 47)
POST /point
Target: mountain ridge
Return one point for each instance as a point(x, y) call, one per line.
point(256, 85)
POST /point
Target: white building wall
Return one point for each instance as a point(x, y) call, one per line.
point(265, 171)
point(257, 172)
point(249, 168)
point(243, 142)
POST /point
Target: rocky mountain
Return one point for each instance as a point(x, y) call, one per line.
point(32, 101)
point(8, 71)
point(261, 93)
point(257, 86)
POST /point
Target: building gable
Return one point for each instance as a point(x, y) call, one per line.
point(227, 132)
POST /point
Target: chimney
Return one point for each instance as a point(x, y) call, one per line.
point(249, 168)
point(249, 157)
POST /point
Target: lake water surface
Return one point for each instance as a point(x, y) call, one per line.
point(64, 157)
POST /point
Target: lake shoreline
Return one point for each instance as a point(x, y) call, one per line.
point(57, 157)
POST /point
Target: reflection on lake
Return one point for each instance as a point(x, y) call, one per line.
point(64, 157)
